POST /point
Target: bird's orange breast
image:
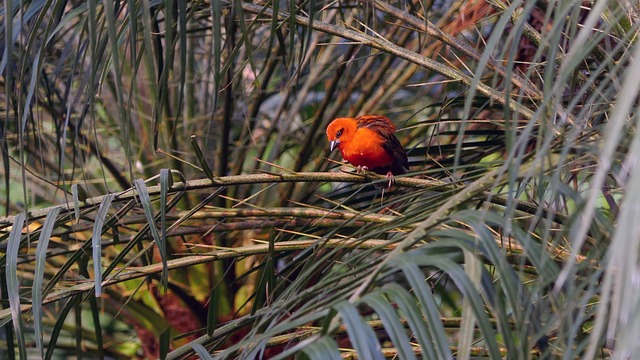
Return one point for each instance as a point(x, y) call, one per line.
point(366, 149)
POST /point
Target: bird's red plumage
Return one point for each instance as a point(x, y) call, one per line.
point(369, 141)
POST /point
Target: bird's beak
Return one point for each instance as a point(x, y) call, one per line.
point(333, 144)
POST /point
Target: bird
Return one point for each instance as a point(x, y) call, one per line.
point(369, 143)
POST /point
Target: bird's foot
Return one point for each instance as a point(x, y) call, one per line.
point(362, 169)
point(391, 179)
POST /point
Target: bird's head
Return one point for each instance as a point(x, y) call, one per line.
point(340, 131)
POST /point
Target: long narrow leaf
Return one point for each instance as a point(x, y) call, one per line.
point(323, 349)
point(201, 158)
point(412, 313)
point(96, 241)
point(76, 201)
point(165, 183)
point(201, 351)
point(13, 284)
point(213, 310)
point(41, 258)
point(164, 342)
point(360, 333)
point(145, 200)
point(123, 118)
point(465, 341)
point(424, 258)
point(423, 293)
point(60, 321)
point(392, 324)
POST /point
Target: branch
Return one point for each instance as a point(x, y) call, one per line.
point(243, 213)
point(189, 260)
point(241, 180)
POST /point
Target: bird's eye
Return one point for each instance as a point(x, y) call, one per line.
point(339, 133)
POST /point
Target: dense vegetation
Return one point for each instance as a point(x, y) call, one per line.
point(168, 188)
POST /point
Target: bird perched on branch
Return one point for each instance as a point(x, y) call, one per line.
point(368, 142)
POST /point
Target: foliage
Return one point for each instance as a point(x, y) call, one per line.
point(514, 235)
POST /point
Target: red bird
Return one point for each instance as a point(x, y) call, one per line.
point(368, 142)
